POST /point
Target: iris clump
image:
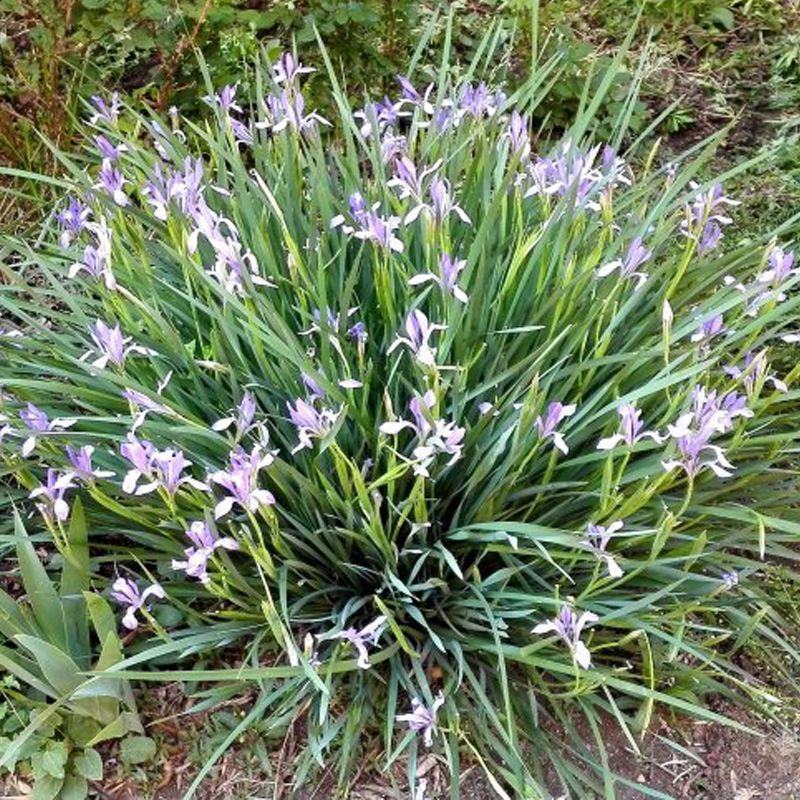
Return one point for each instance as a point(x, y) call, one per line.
point(455, 419)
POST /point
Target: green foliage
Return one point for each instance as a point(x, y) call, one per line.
point(459, 558)
point(51, 727)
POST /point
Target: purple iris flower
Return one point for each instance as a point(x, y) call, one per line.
point(224, 99)
point(448, 279)
point(310, 423)
point(313, 389)
point(241, 132)
point(289, 112)
point(393, 147)
point(97, 257)
point(72, 220)
point(441, 204)
point(597, 539)
point(697, 452)
point(327, 319)
point(753, 373)
point(112, 181)
point(423, 719)
point(412, 96)
point(126, 593)
point(705, 217)
point(143, 405)
point(241, 481)
point(141, 455)
point(381, 230)
point(630, 429)
point(112, 345)
point(478, 101)
point(52, 491)
point(163, 468)
point(419, 406)
point(37, 422)
point(710, 237)
point(233, 263)
point(243, 419)
point(108, 150)
point(547, 426)
point(780, 266)
point(358, 332)
point(569, 170)
point(383, 114)
point(159, 190)
point(409, 179)
point(434, 436)
point(371, 225)
point(107, 112)
point(287, 69)
point(418, 334)
point(82, 468)
point(712, 327)
point(568, 626)
point(362, 639)
point(692, 432)
point(636, 255)
point(204, 543)
point(730, 579)
point(169, 466)
point(518, 137)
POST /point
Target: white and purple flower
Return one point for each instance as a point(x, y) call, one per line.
point(310, 423)
point(636, 255)
point(240, 480)
point(126, 593)
point(204, 543)
point(423, 719)
point(447, 280)
point(630, 429)
point(54, 506)
point(82, 468)
point(548, 426)
point(418, 335)
point(568, 626)
point(112, 346)
point(597, 539)
point(362, 639)
point(38, 424)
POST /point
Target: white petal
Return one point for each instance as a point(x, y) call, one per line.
point(582, 655)
point(544, 627)
point(129, 482)
point(614, 569)
point(393, 428)
point(607, 269)
point(129, 620)
point(223, 507)
point(460, 295)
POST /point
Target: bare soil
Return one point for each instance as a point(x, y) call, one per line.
point(682, 759)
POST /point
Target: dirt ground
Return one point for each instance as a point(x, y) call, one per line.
point(711, 762)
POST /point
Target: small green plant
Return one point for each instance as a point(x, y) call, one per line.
point(55, 713)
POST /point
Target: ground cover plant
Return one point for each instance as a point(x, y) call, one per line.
point(436, 434)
